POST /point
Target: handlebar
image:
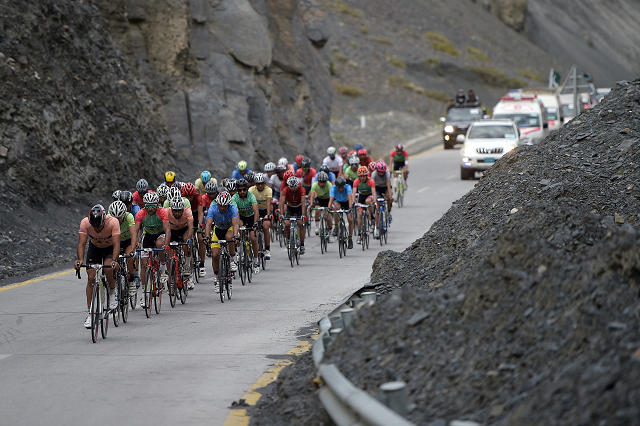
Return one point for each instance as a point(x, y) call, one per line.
point(96, 266)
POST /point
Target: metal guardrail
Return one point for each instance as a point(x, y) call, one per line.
point(346, 404)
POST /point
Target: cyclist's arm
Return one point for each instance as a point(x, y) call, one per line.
point(200, 214)
point(134, 235)
point(391, 159)
point(269, 200)
point(351, 199)
point(115, 241)
point(167, 231)
point(312, 196)
point(373, 192)
point(189, 228)
point(256, 214)
point(207, 229)
point(331, 201)
point(234, 225)
point(137, 232)
point(82, 243)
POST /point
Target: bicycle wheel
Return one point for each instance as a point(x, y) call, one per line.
point(380, 226)
point(341, 237)
point(227, 286)
point(365, 235)
point(115, 312)
point(249, 260)
point(321, 232)
point(157, 297)
point(104, 318)
point(364, 229)
point(280, 232)
point(291, 248)
point(123, 297)
point(133, 300)
point(297, 252)
point(386, 227)
point(173, 282)
point(95, 312)
point(195, 271)
point(261, 249)
point(148, 280)
point(223, 272)
point(307, 224)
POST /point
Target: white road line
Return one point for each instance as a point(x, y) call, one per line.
point(423, 189)
point(450, 177)
point(3, 356)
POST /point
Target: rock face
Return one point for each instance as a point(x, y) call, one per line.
point(511, 12)
point(74, 118)
point(238, 79)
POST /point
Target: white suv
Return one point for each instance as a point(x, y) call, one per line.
point(485, 143)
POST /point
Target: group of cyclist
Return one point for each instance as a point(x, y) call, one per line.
point(205, 212)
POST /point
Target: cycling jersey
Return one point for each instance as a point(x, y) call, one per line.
point(366, 161)
point(187, 203)
point(351, 174)
point(322, 193)
point(152, 224)
point(198, 183)
point(180, 223)
point(399, 156)
point(332, 177)
point(222, 220)
point(197, 202)
point(237, 175)
point(381, 180)
point(261, 196)
point(364, 186)
point(307, 179)
point(206, 201)
point(128, 221)
point(137, 199)
point(275, 185)
point(293, 199)
point(110, 229)
point(245, 205)
point(340, 197)
point(335, 164)
point(134, 209)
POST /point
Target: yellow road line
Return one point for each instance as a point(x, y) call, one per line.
point(239, 416)
point(429, 151)
point(35, 280)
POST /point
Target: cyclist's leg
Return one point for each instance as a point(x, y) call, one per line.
point(163, 259)
point(359, 219)
point(302, 233)
point(201, 247)
point(215, 251)
point(93, 257)
point(253, 237)
point(229, 237)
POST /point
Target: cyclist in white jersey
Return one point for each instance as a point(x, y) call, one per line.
point(333, 161)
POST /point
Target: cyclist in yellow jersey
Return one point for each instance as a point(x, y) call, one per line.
point(263, 196)
point(201, 182)
point(319, 196)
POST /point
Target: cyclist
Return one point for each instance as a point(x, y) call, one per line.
point(223, 217)
point(319, 196)
point(306, 174)
point(365, 187)
point(264, 195)
point(127, 223)
point(241, 170)
point(248, 211)
point(175, 192)
point(169, 178)
point(285, 163)
point(333, 162)
point(276, 181)
point(343, 151)
point(154, 222)
point(103, 234)
point(142, 187)
point(364, 159)
point(211, 190)
point(116, 195)
point(382, 179)
point(181, 224)
point(298, 162)
point(269, 169)
point(400, 160)
point(231, 187)
point(204, 178)
point(250, 177)
point(127, 198)
point(195, 200)
point(351, 173)
point(163, 193)
point(371, 168)
point(292, 197)
point(330, 175)
point(341, 197)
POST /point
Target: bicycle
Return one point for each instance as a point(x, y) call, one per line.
point(225, 276)
point(152, 288)
point(323, 230)
point(195, 253)
point(99, 310)
point(293, 246)
point(122, 286)
point(245, 256)
point(177, 284)
point(343, 235)
point(261, 245)
point(383, 220)
point(364, 232)
point(307, 217)
point(400, 186)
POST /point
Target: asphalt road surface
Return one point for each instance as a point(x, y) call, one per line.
point(186, 365)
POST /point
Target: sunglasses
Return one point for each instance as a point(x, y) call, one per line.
point(306, 169)
point(150, 206)
point(243, 189)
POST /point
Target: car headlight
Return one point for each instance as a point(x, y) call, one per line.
point(469, 150)
point(509, 148)
point(448, 129)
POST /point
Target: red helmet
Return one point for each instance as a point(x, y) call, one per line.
point(299, 158)
point(362, 171)
point(362, 151)
point(372, 166)
point(188, 189)
point(343, 150)
point(399, 147)
point(381, 166)
point(287, 175)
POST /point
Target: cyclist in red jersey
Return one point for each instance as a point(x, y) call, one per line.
point(211, 192)
point(364, 159)
point(399, 157)
point(292, 205)
point(306, 174)
point(365, 188)
point(190, 192)
point(142, 187)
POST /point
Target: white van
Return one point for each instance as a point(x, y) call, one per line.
point(527, 111)
point(551, 102)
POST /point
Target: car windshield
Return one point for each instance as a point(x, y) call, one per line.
point(492, 132)
point(522, 120)
point(567, 110)
point(464, 114)
point(552, 114)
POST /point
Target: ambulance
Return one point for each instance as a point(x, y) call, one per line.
point(527, 111)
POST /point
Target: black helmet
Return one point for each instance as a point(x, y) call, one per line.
point(222, 189)
point(323, 177)
point(126, 197)
point(116, 195)
point(242, 183)
point(306, 163)
point(341, 182)
point(97, 215)
point(325, 168)
point(250, 177)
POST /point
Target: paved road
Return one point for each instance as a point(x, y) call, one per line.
point(186, 365)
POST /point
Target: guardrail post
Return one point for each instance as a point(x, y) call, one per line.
point(369, 296)
point(336, 322)
point(335, 331)
point(396, 397)
point(326, 340)
point(346, 316)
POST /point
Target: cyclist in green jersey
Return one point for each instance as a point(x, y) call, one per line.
point(351, 172)
point(118, 210)
point(319, 195)
point(249, 215)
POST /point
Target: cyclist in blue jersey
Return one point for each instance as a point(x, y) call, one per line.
point(330, 175)
point(341, 198)
point(223, 216)
point(241, 171)
point(127, 198)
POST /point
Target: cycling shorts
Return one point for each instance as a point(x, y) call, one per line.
point(398, 165)
point(247, 221)
point(149, 241)
point(381, 191)
point(294, 211)
point(362, 198)
point(97, 255)
point(321, 202)
point(219, 234)
point(262, 212)
point(344, 205)
point(178, 235)
point(124, 244)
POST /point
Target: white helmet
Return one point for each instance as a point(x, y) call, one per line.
point(117, 209)
point(177, 204)
point(331, 150)
point(260, 178)
point(150, 198)
point(283, 162)
point(269, 167)
point(163, 191)
point(174, 192)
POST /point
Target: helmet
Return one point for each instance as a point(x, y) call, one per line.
point(372, 166)
point(381, 166)
point(287, 175)
point(188, 189)
point(177, 184)
point(357, 146)
point(341, 182)
point(293, 182)
point(460, 90)
point(343, 150)
point(306, 163)
point(211, 187)
point(169, 176)
point(163, 191)
point(223, 199)
point(126, 197)
point(242, 183)
point(223, 183)
point(242, 165)
point(231, 184)
point(280, 169)
point(269, 167)
point(222, 189)
point(260, 178)
point(283, 162)
point(323, 177)
point(363, 171)
point(96, 216)
point(331, 150)
point(150, 198)
point(325, 168)
point(354, 161)
point(205, 176)
point(177, 204)
point(299, 158)
point(117, 209)
point(142, 186)
point(250, 177)
point(399, 147)
point(116, 195)
point(362, 151)
point(174, 192)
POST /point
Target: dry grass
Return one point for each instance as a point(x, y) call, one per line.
point(400, 81)
point(441, 43)
point(340, 57)
point(396, 62)
point(381, 40)
point(364, 30)
point(342, 7)
point(438, 95)
point(478, 54)
point(531, 75)
point(433, 61)
point(332, 67)
point(343, 89)
point(496, 78)
point(352, 64)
